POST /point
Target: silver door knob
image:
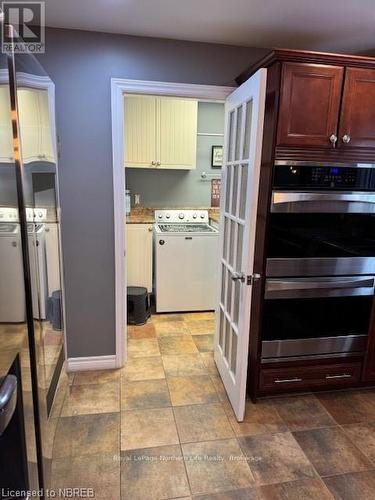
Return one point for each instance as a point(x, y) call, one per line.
point(346, 139)
point(333, 139)
point(238, 277)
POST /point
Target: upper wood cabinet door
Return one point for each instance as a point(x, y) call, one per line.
point(140, 140)
point(178, 133)
point(309, 106)
point(357, 123)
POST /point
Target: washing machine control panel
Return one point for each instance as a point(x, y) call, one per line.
point(174, 216)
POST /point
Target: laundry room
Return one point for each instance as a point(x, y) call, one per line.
point(173, 156)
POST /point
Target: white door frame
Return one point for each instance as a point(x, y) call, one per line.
point(119, 87)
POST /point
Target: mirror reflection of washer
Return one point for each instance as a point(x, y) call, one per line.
point(186, 256)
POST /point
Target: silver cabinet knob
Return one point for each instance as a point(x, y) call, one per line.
point(333, 139)
point(158, 163)
point(346, 139)
point(153, 163)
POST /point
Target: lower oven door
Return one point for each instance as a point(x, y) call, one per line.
point(316, 316)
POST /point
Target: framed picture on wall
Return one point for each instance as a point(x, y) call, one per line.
point(217, 157)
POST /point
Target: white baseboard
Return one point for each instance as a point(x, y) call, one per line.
point(91, 363)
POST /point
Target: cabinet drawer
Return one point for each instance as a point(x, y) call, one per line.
point(304, 377)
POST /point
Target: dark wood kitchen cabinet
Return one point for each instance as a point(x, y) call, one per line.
point(309, 104)
point(309, 97)
point(357, 121)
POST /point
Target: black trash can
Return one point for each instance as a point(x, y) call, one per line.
point(54, 310)
point(139, 309)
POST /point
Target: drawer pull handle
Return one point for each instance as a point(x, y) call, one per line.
point(344, 375)
point(287, 380)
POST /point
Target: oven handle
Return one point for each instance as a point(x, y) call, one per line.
point(280, 198)
point(281, 287)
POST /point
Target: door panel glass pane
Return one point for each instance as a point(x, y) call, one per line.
point(230, 137)
point(247, 137)
point(233, 354)
point(226, 237)
point(235, 189)
point(221, 329)
point(238, 134)
point(227, 339)
point(228, 305)
point(236, 302)
point(228, 189)
point(243, 191)
point(240, 230)
point(223, 282)
point(232, 242)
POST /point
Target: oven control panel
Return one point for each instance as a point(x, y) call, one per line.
point(324, 177)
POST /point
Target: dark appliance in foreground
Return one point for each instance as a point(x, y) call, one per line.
point(320, 272)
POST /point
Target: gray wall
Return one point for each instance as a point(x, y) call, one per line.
point(182, 188)
point(81, 65)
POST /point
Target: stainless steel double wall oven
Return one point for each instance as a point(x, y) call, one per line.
point(320, 260)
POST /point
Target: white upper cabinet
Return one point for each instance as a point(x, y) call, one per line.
point(35, 130)
point(160, 132)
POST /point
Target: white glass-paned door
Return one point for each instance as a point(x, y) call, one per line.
point(244, 114)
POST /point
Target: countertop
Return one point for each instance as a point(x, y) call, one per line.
point(144, 215)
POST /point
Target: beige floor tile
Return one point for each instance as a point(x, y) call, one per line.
point(355, 486)
point(175, 345)
point(215, 466)
point(305, 489)
point(202, 423)
point(87, 435)
point(143, 369)
point(199, 316)
point(144, 394)
point(166, 317)
point(303, 412)
point(209, 362)
point(219, 387)
point(148, 428)
point(184, 365)
point(239, 494)
point(191, 390)
point(89, 399)
point(99, 472)
point(146, 331)
point(260, 418)
point(204, 343)
point(154, 474)
point(174, 329)
point(143, 348)
point(96, 377)
point(203, 327)
point(276, 458)
point(363, 436)
point(331, 451)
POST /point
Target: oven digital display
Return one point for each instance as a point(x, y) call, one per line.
point(324, 177)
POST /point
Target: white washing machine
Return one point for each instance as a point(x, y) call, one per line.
point(186, 261)
point(12, 297)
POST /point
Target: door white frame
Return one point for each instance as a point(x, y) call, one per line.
point(119, 87)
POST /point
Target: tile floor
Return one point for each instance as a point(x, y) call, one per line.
point(162, 428)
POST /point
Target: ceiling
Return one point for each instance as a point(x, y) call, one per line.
point(326, 25)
